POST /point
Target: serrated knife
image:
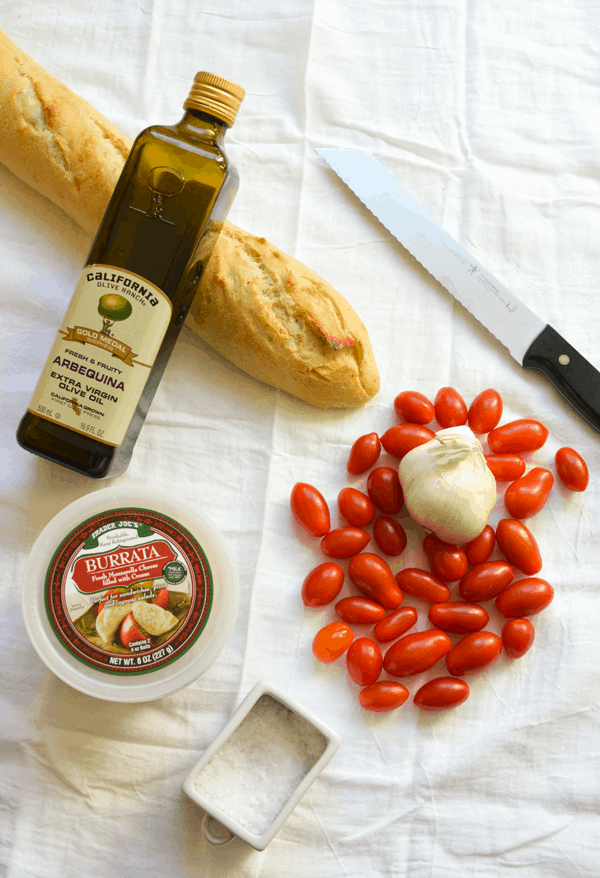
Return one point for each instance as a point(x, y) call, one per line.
point(532, 342)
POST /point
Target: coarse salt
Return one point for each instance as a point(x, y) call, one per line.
point(253, 774)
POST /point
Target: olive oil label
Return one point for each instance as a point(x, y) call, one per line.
point(101, 359)
point(128, 591)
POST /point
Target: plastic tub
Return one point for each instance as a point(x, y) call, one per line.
point(129, 595)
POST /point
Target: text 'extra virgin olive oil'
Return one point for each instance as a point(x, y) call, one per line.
point(133, 295)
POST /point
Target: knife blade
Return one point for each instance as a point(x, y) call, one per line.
point(532, 342)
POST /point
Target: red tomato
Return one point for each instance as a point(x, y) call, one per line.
point(485, 411)
point(383, 488)
point(332, 641)
point(450, 408)
point(442, 694)
point(417, 652)
point(480, 549)
point(395, 624)
point(364, 661)
point(322, 585)
point(572, 469)
point(402, 438)
point(343, 542)
point(518, 545)
point(310, 509)
point(389, 535)
point(485, 581)
point(384, 695)
point(129, 631)
point(421, 584)
point(505, 467)
point(161, 598)
point(414, 407)
point(526, 496)
point(364, 453)
point(447, 561)
point(517, 636)
point(356, 507)
point(371, 575)
point(526, 597)
point(473, 652)
point(524, 434)
point(458, 617)
point(359, 611)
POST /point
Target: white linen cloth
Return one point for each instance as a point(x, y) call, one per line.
point(488, 114)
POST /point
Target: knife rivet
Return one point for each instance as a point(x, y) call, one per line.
point(564, 359)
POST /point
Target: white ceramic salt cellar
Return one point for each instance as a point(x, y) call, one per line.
point(259, 766)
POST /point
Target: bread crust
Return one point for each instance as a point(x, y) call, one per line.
point(282, 323)
point(54, 140)
point(263, 310)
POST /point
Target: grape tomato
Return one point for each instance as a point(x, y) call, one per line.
point(485, 411)
point(480, 549)
point(526, 496)
point(395, 624)
point(414, 407)
point(442, 693)
point(417, 652)
point(343, 542)
point(310, 509)
point(402, 438)
point(389, 535)
point(322, 585)
point(525, 597)
point(359, 610)
point(364, 453)
point(518, 545)
point(485, 581)
point(572, 469)
point(332, 641)
point(356, 507)
point(458, 617)
point(383, 488)
point(517, 637)
point(524, 434)
point(450, 408)
point(473, 652)
point(373, 576)
point(364, 661)
point(421, 584)
point(383, 696)
point(505, 467)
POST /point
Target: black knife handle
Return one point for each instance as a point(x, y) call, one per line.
point(571, 374)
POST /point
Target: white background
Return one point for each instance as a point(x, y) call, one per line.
point(488, 113)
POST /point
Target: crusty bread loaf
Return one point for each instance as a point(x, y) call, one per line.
point(283, 324)
point(260, 308)
point(54, 140)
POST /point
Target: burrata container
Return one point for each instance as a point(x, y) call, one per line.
point(129, 595)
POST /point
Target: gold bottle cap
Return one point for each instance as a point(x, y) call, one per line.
point(215, 95)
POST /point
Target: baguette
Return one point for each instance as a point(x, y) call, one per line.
point(263, 310)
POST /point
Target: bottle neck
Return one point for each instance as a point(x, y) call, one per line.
point(204, 125)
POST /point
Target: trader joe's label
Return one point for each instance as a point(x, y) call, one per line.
point(102, 356)
point(128, 591)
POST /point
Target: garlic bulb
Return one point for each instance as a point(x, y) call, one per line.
point(448, 486)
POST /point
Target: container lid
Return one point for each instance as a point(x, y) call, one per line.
point(215, 95)
point(128, 595)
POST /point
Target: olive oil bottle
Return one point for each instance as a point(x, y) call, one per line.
point(133, 295)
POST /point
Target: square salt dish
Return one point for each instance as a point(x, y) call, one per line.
point(259, 766)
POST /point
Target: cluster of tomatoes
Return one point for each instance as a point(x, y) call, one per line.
point(479, 580)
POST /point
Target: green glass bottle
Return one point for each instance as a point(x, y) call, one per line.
point(135, 290)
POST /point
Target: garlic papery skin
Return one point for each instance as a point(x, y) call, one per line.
point(448, 487)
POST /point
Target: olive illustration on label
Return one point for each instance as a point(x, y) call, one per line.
point(112, 307)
